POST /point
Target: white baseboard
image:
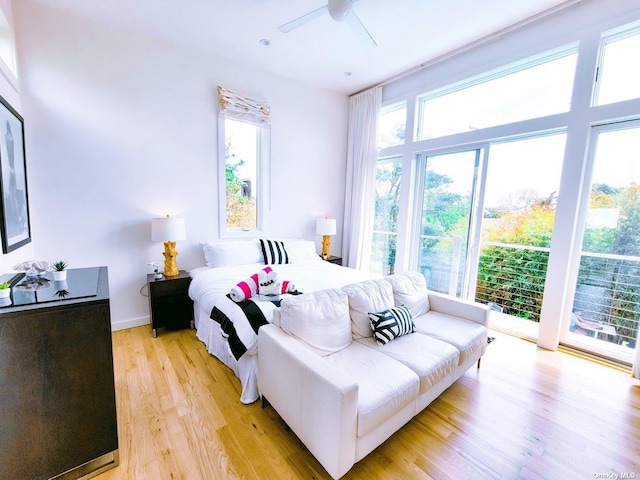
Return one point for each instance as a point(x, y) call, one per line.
point(131, 323)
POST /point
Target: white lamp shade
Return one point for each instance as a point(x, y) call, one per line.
point(167, 229)
point(326, 226)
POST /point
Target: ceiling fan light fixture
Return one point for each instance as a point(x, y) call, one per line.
point(339, 9)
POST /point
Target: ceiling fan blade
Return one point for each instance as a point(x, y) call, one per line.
point(363, 35)
point(298, 22)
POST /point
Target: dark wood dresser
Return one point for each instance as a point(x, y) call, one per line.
point(57, 395)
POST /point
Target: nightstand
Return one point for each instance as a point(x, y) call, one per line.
point(336, 260)
point(169, 302)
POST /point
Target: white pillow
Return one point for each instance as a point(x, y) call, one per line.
point(228, 254)
point(410, 290)
point(367, 297)
point(320, 319)
point(301, 250)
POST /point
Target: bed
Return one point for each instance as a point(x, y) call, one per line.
point(224, 326)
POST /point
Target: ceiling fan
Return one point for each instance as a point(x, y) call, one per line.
point(339, 10)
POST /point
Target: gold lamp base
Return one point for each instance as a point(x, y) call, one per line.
point(326, 242)
point(170, 264)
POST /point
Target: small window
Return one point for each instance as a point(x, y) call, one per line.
point(534, 88)
point(7, 45)
point(618, 76)
point(242, 157)
point(391, 125)
point(243, 136)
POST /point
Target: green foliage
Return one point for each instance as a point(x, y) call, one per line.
point(5, 285)
point(241, 209)
point(388, 176)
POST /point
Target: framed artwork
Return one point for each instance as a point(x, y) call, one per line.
point(14, 201)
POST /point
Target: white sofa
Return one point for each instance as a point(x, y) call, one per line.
point(341, 392)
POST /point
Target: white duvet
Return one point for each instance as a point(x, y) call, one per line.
point(308, 276)
point(210, 285)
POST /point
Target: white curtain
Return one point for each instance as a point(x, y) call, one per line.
point(636, 361)
point(361, 171)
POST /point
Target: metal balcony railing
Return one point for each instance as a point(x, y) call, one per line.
point(511, 279)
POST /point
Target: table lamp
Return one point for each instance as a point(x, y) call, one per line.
point(168, 230)
point(326, 227)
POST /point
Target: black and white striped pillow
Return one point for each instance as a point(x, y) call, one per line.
point(391, 323)
point(274, 252)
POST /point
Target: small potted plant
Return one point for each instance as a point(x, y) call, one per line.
point(59, 270)
point(5, 289)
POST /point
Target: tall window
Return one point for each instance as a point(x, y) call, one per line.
point(242, 158)
point(606, 304)
point(385, 224)
point(532, 88)
point(244, 147)
point(522, 186)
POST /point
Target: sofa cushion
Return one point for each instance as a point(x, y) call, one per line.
point(410, 289)
point(431, 359)
point(391, 323)
point(385, 386)
point(466, 335)
point(365, 297)
point(320, 319)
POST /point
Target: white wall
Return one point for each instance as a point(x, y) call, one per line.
point(10, 92)
point(122, 127)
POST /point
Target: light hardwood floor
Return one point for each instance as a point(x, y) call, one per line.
point(526, 413)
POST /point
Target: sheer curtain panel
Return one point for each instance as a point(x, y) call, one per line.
point(636, 362)
point(361, 170)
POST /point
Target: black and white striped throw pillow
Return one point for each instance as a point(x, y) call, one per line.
point(274, 252)
point(391, 323)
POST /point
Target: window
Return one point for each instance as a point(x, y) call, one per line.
point(618, 76)
point(521, 190)
point(242, 158)
point(606, 303)
point(244, 150)
point(385, 223)
point(391, 125)
point(530, 89)
point(7, 45)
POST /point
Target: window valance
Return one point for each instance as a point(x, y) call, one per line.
point(236, 106)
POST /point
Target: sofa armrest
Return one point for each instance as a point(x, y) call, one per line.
point(458, 307)
point(318, 401)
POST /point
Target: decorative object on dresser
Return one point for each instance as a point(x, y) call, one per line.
point(326, 227)
point(59, 270)
point(168, 230)
point(5, 289)
point(169, 302)
point(58, 401)
point(14, 200)
point(33, 268)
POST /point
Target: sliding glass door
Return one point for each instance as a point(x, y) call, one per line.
point(486, 222)
point(606, 304)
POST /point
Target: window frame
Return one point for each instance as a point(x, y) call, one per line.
point(606, 38)
point(263, 175)
point(488, 76)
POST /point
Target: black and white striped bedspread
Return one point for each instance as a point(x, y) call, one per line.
point(239, 322)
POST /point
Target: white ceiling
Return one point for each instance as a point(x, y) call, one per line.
point(408, 32)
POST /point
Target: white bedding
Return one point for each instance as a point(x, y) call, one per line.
point(209, 284)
